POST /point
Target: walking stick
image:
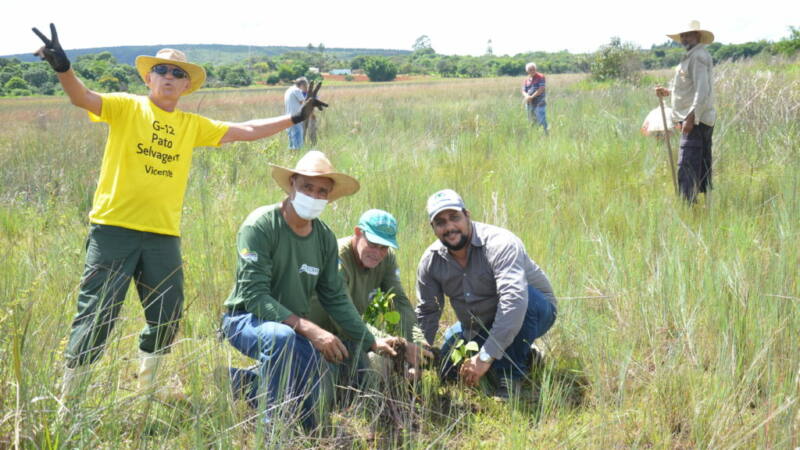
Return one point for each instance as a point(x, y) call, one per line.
point(669, 145)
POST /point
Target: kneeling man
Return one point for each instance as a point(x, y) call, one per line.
point(285, 255)
point(502, 299)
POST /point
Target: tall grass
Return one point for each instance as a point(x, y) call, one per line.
point(677, 326)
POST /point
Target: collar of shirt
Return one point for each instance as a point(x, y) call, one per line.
point(693, 50)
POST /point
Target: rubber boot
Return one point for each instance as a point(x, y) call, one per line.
point(149, 365)
point(73, 385)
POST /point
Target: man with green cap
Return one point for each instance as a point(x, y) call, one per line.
point(368, 263)
point(136, 211)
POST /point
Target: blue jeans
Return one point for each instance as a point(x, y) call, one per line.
point(539, 317)
point(296, 136)
point(289, 366)
point(539, 113)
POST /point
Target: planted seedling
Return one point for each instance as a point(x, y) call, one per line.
point(381, 313)
point(462, 351)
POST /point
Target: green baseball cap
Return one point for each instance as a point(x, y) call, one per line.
point(379, 227)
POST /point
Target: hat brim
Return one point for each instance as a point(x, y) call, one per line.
point(197, 75)
point(343, 185)
point(706, 37)
point(443, 208)
point(378, 240)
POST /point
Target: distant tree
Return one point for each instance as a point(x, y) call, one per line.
point(422, 43)
point(510, 66)
point(236, 76)
point(470, 68)
point(616, 60)
point(16, 83)
point(9, 72)
point(37, 75)
point(358, 62)
point(736, 52)
point(273, 78)
point(446, 67)
point(110, 83)
point(379, 68)
point(489, 50)
point(789, 45)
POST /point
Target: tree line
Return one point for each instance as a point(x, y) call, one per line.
point(614, 60)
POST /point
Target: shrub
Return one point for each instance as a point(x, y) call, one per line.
point(379, 68)
point(273, 78)
point(16, 83)
point(616, 60)
point(789, 45)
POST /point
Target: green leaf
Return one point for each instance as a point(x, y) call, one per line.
point(459, 343)
point(456, 357)
point(392, 317)
point(472, 346)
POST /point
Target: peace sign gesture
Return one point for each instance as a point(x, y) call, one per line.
point(52, 51)
point(310, 103)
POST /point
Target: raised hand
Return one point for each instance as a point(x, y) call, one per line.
point(52, 51)
point(310, 103)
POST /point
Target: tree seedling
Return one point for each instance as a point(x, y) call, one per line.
point(381, 313)
point(462, 351)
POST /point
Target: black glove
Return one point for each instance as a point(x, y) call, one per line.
point(309, 104)
point(52, 51)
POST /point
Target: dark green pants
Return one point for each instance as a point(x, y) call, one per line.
point(114, 257)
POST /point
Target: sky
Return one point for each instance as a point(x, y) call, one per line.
point(462, 28)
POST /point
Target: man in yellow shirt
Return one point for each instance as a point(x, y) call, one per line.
point(136, 210)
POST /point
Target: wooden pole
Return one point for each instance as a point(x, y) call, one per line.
point(669, 145)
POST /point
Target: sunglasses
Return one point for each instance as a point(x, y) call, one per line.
point(163, 69)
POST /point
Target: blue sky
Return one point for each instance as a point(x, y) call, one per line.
point(454, 27)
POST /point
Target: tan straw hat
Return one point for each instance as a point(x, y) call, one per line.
point(315, 164)
point(706, 37)
point(197, 75)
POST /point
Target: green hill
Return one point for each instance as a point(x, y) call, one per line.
point(214, 53)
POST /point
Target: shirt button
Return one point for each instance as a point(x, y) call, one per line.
point(467, 294)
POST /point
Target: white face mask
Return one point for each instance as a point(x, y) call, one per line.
point(306, 207)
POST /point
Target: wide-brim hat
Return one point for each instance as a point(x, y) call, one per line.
point(197, 75)
point(316, 164)
point(706, 37)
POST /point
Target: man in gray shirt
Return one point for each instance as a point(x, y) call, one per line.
point(502, 299)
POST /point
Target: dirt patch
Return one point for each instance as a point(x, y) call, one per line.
point(359, 77)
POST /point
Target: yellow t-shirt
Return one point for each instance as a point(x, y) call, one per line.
point(146, 163)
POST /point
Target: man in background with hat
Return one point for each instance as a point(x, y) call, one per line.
point(368, 263)
point(502, 299)
point(286, 255)
point(136, 211)
point(693, 107)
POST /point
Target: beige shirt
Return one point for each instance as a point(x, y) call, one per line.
point(691, 87)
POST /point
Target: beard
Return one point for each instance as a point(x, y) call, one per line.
point(458, 245)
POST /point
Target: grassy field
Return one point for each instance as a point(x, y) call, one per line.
point(677, 326)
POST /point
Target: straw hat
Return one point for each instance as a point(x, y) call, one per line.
point(706, 37)
point(315, 164)
point(197, 75)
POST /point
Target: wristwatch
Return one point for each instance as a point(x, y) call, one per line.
point(484, 356)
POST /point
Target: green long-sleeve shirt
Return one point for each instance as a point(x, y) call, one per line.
point(362, 284)
point(277, 273)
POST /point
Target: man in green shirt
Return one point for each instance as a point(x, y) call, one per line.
point(368, 263)
point(285, 255)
